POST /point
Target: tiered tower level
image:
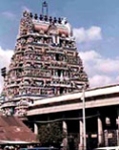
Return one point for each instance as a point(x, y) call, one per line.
point(45, 63)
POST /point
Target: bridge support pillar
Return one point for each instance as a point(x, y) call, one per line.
point(36, 128)
point(100, 131)
point(65, 140)
point(118, 126)
point(81, 134)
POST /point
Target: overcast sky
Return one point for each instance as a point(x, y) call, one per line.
point(95, 25)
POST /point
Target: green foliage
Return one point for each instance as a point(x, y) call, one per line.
point(50, 134)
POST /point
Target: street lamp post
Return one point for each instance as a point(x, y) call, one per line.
point(84, 117)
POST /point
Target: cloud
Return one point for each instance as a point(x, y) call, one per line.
point(5, 56)
point(94, 33)
point(101, 70)
point(108, 65)
point(117, 78)
point(100, 80)
point(86, 35)
point(9, 15)
point(90, 59)
point(90, 55)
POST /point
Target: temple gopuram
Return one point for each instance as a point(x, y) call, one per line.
point(45, 63)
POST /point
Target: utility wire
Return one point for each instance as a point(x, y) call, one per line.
point(65, 119)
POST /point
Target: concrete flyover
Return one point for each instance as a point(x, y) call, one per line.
point(96, 97)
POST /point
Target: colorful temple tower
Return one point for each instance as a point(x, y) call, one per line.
point(45, 62)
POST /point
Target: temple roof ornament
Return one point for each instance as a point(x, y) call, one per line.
point(45, 8)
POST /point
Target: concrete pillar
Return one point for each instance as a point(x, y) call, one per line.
point(65, 140)
point(36, 128)
point(81, 134)
point(117, 126)
point(106, 137)
point(100, 131)
point(107, 121)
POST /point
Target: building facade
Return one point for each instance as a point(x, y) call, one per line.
point(45, 63)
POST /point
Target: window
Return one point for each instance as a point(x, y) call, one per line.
point(57, 57)
point(59, 73)
point(61, 90)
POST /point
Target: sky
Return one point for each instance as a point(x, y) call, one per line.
point(95, 25)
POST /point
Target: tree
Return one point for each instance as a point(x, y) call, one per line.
point(51, 134)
